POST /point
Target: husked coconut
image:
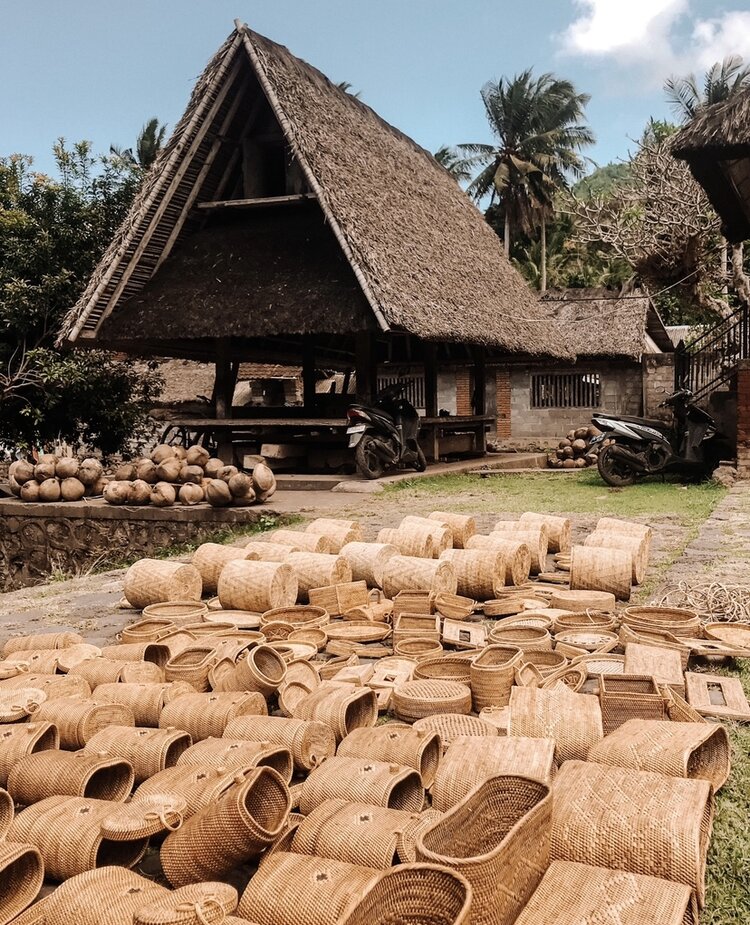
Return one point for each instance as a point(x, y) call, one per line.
point(90, 471)
point(163, 494)
point(14, 486)
point(241, 487)
point(72, 489)
point(21, 470)
point(197, 456)
point(45, 469)
point(30, 490)
point(180, 452)
point(67, 467)
point(146, 469)
point(169, 470)
point(226, 473)
point(264, 481)
point(125, 472)
point(140, 492)
point(117, 492)
point(213, 467)
point(49, 490)
point(162, 452)
point(218, 493)
point(98, 487)
point(190, 493)
point(192, 474)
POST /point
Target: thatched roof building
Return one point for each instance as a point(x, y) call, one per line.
point(609, 323)
point(716, 145)
point(284, 206)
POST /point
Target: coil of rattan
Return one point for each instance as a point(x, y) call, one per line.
point(363, 780)
point(76, 774)
point(310, 742)
point(416, 699)
point(343, 708)
point(396, 743)
point(77, 720)
point(238, 753)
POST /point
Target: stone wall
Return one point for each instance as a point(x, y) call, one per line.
point(658, 382)
point(36, 539)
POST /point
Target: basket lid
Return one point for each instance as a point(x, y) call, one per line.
point(358, 631)
point(204, 903)
point(18, 703)
point(149, 816)
point(242, 619)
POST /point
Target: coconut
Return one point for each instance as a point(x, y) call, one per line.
point(145, 469)
point(90, 471)
point(98, 487)
point(241, 487)
point(580, 462)
point(45, 470)
point(21, 470)
point(125, 472)
point(263, 478)
point(197, 456)
point(15, 486)
point(212, 467)
point(67, 467)
point(117, 492)
point(47, 458)
point(49, 490)
point(140, 492)
point(30, 490)
point(169, 470)
point(162, 452)
point(226, 473)
point(163, 494)
point(192, 474)
point(190, 493)
point(569, 463)
point(579, 444)
point(217, 493)
point(180, 452)
point(72, 489)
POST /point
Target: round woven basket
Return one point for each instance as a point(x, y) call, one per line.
point(408, 573)
point(491, 676)
point(257, 586)
point(196, 904)
point(590, 640)
point(601, 570)
point(363, 780)
point(75, 774)
point(108, 671)
point(533, 535)
point(150, 630)
point(302, 542)
point(367, 561)
point(309, 742)
point(397, 743)
point(558, 529)
point(737, 634)
point(462, 526)
point(315, 891)
point(147, 750)
point(444, 667)
point(343, 708)
point(234, 830)
point(574, 721)
point(146, 701)
point(424, 893)
point(525, 638)
point(587, 619)
point(582, 601)
point(271, 552)
point(210, 559)
point(479, 572)
point(262, 669)
point(418, 649)
point(442, 536)
point(676, 620)
point(417, 544)
point(151, 581)
point(546, 662)
point(67, 832)
point(17, 740)
point(415, 699)
point(515, 552)
point(77, 720)
point(338, 532)
point(21, 878)
point(637, 546)
point(316, 570)
point(179, 612)
point(299, 615)
point(204, 716)
point(20, 703)
point(237, 753)
point(41, 641)
point(450, 726)
point(314, 636)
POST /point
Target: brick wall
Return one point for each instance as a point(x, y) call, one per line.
point(463, 391)
point(502, 402)
point(743, 419)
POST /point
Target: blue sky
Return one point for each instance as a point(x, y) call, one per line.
point(98, 69)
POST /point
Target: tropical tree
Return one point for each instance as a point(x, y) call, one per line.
point(539, 130)
point(347, 88)
point(722, 80)
point(149, 142)
point(456, 165)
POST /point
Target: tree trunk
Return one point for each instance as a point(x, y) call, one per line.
point(724, 275)
point(506, 239)
point(739, 277)
point(543, 274)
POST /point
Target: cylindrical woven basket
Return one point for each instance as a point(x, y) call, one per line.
point(627, 527)
point(416, 544)
point(409, 573)
point(558, 529)
point(42, 661)
point(414, 893)
point(397, 743)
point(316, 891)
point(479, 572)
point(237, 753)
point(232, 831)
point(302, 542)
point(41, 641)
point(67, 832)
point(491, 676)
point(55, 686)
point(207, 715)
point(192, 664)
point(257, 586)
point(676, 620)
point(262, 669)
point(525, 638)
point(338, 533)
point(147, 750)
point(210, 559)
point(363, 780)
point(417, 648)
point(271, 552)
point(442, 536)
point(600, 812)
point(574, 721)
point(498, 838)
point(195, 904)
point(450, 726)
point(343, 708)
point(415, 699)
point(21, 878)
point(472, 760)
point(309, 742)
point(145, 700)
point(78, 720)
point(515, 552)
point(80, 899)
point(196, 785)
point(637, 546)
point(462, 526)
point(6, 812)
point(17, 740)
point(316, 570)
point(77, 774)
point(534, 535)
point(152, 581)
point(367, 561)
point(108, 671)
point(601, 570)
point(138, 652)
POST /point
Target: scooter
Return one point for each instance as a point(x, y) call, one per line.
point(629, 447)
point(385, 434)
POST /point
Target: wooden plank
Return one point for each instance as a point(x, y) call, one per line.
point(259, 203)
point(717, 696)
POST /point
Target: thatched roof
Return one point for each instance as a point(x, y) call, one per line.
point(609, 323)
point(716, 145)
point(420, 257)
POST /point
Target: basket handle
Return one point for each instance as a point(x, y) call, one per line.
point(208, 904)
point(161, 815)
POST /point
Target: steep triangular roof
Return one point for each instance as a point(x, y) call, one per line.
point(425, 259)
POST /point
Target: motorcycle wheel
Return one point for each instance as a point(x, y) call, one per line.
point(614, 471)
point(369, 464)
point(421, 464)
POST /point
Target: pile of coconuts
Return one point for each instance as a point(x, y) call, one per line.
point(174, 474)
point(56, 478)
point(574, 451)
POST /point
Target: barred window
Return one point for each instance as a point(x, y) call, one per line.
point(566, 390)
point(414, 387)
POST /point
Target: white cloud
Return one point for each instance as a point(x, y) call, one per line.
point(714, 39)
point(611, 26)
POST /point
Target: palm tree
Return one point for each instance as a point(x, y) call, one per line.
point(347, 88)
point(149, 142)
point(722, 80)
point(456, 166)
point(539, 130)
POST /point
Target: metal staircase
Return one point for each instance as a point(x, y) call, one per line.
point(709, 362)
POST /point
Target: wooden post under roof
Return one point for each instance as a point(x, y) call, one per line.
point(308, 373)
point(479, 399)
point(430, 380)
point(366, 366)
point(225, 381)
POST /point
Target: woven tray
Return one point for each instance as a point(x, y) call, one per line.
point(358, 631)
point(416, 699)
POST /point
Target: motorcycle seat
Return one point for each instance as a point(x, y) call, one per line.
point(661, 426)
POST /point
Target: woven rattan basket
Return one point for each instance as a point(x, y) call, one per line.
point(197, 786)
point(479, 572)
point(450, 726)
point(20, 704)
point(79, 720)
point(236, 753)
point(146, 701)
point(601, 812)
point(417, 648)
point(309, 742)
point(444, 667)
point(409, 573)
point(363, 780)
point(535, 536)
point(515, 552)
point(21, 878)
point(342, 708)
point(43, 661)
point(462, 526)
point(192, 665)
point(150, 630)
point(108, 671)
point(300, 616)
point(410, 543)
point(629, 697)
point(574, 721)
point(147, 750)
point(442, 536)
point(152, 581)
point(210, 559)
point(676, 620)
point(491, 676)
point(597, 569)
point(338, 533)
point(581, 601)
point(257, 586)
point(498, 838)
point(179, 612)
point(525, 638)
point(396, 743)
point(41, 641)
point(558, 529)
point(275, 552)
point(546, 663)
point(77, 774)
point(636, 546)
point(302, 542)
point(341, 598)
point(415, 699)
point(17, 740)
point(195, 904)
point(233, 830)
point(85, 899)
point(206, 715)
point(626, 527)
point(6, 812)
point(318, 570)
point(368, 560)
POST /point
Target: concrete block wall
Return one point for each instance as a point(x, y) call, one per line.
point(658, 382)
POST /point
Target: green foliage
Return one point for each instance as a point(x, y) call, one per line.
point(148, 144)
point(456, 166)
point(602, 181)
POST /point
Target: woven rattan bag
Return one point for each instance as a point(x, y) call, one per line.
point(17, 740)
point(106, 896)
point(21, 878)
point(196, 785)
point(76, 774)
point(233, 830)
point(601, 812)
point(6, 813)
point(309, 742)
point(207, 715)
point(145, 700)
point(109, 671)
point(363, 780)
point(195, 904)
point(343, 708)
point(416, 699)
point(397, 743)
point(574, 721)
point(79, 720)
point(147, 750)
point(491, 676)
point(497, 837)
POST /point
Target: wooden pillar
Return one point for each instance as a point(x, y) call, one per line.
point(366, 367)
point(430, 380)
point(479, 402)
point(225, 381)
point(308, 373)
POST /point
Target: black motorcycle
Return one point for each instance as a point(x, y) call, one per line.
point(385, 434)
point(690, 446)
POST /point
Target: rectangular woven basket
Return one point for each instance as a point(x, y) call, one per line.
point(632, 697)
